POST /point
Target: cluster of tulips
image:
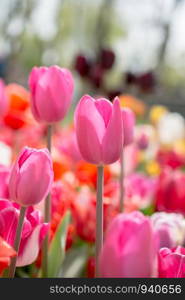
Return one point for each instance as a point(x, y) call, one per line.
point(80, 190)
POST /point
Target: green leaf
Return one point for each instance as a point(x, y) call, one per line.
point(57, 247)
point(75, 262)
point(148, 210)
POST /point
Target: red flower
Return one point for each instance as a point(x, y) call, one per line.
point(170, 192)
point(170, 158)
point(91, 267)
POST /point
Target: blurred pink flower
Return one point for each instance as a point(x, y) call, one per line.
point(34, 231)
point(171, 263)
point(66, 143)
point(128, 125)
point(130, 154)
point(130, 247)
point(140, 189)
point(170, 228)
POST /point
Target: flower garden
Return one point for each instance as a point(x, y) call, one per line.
point(92, 173)
point(101, 186)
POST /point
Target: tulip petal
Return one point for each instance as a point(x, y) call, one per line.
point(8, 225)
point(113, 139)
point(105, 108)
point(30, 248)
point(90, 129)
point(4, 204)
point(34, 77)
point(30, 172)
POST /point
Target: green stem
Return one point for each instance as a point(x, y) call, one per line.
point(99, 217)
point(17, 241)
point(47, 215)
point(121, 200)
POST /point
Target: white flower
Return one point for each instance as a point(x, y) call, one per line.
point(171, 128)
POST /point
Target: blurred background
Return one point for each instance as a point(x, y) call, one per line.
point(112, 46)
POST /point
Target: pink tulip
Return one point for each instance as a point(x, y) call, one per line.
point(171, 263)
point(4, 179)
point(140, 189)
point(130, 247)
point(3, 99)
point(31, 176)
point(128, 125)
point(170, 229)
point(66, 143)
point(51, 93)
point(34, 231)
point(99, 130)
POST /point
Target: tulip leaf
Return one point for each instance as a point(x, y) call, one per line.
point(75, 262)
point(57, 247)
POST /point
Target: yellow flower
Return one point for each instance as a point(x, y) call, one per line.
point(156, 112)
point(153, 168)
point(179, 146)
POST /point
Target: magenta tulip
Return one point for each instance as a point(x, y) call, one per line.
point(99, 130)
point(3, 99)
point(130, 247)
point(170, 192)
point(171, 263)
point(34, 231)
point(51, 93)
point(31, 177)
point(128, 125)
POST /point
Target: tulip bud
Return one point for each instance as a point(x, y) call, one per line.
point(51, 93)
point(99, 130)
point(128, 125)
point(130, 247)
point(31, 177)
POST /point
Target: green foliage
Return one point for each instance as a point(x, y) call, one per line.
point(57, 247)
point(75, 261)
point(148, 211)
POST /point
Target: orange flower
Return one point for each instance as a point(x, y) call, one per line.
point(59, 169)
point(138, 106)
point(17, 115)
point(6, 252)
point(18, 97)
point(87, 173)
